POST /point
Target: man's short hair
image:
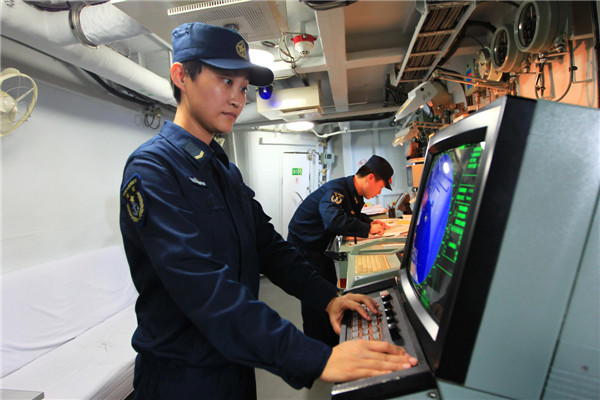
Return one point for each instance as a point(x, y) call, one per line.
point(364, 171)
point(192, 68)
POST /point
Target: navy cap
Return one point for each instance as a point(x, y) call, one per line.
point(382, 168)
point(218, 47)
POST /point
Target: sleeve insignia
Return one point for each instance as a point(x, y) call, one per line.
point(337, 198)
point(134, 200)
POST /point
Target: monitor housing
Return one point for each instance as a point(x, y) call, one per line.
point(497, 246)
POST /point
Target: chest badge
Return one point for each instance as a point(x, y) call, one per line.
point(197, 182)
point(134, 200)
point(337, 198)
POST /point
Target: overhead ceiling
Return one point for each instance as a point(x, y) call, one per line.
point(357, 46)
point(363, 60)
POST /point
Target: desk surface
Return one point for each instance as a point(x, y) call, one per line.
point(7, 394)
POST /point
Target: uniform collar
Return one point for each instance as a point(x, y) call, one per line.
point(191, 145)
point(352, 189)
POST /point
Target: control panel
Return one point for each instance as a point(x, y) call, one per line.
point(392, 326)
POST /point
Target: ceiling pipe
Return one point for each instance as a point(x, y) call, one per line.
point(50, 33)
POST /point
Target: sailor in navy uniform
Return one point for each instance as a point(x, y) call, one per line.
point(331, 210)
point(197, 241)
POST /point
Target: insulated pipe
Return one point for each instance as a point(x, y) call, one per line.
point(105, 23)
point(100, 24)
point(50, 33)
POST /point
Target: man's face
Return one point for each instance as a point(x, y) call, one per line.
point(373, 187)
point(216, 98)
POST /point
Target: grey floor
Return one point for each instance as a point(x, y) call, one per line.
point(272, 387)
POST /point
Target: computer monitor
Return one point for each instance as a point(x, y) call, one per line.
point(441, 223)
point(481, 261)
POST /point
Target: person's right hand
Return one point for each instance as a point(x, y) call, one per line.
point(365, 358)
point(376, 229)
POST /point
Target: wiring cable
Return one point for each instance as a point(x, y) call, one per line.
point(117, 93)
point(152, 113)
point(284, 50)
point(572, 69)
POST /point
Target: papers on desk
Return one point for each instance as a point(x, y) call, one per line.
point(374, 210)
point(397, 228)
point(393, 231)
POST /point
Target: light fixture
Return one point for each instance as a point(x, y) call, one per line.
point(262, 57)
point(405, 134)
point(299, 126)
point(265, 92)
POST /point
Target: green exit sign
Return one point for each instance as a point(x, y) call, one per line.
point(296, 171)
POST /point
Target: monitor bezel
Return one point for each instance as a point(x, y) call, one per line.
point(448, 345)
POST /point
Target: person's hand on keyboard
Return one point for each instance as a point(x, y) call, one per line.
point(365, 358)
point(350, 301)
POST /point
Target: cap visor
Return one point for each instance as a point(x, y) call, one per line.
point(257, 75)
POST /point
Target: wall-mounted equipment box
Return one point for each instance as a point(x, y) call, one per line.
point(293, 104)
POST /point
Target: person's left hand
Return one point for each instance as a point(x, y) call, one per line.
point(349, 301)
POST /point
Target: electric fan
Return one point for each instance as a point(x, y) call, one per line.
point(18, 94)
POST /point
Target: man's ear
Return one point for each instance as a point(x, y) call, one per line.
point(178, 75)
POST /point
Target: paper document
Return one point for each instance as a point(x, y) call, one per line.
point(374, 210)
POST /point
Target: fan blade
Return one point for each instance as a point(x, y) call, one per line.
point(25, 94)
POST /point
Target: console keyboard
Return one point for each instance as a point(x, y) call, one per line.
point(361, 328)
point(367, 264)
point(391, 326)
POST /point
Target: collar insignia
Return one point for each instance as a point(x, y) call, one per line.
point(193, 150)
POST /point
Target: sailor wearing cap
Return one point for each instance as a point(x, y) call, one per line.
point(197, 241)
point(331, 210)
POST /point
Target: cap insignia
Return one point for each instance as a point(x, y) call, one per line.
point(242, 50)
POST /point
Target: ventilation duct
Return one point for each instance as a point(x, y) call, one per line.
point(50, 33)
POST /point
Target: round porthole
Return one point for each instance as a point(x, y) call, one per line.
point(537, 24)
point(483, 66)
point(505, 56)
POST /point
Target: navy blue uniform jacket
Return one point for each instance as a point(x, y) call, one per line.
point(333, 209)
point(196, 241)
